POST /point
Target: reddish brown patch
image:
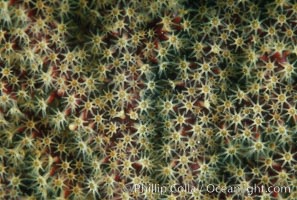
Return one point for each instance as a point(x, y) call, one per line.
point(117, 178)
point(67, 192)
point(275, 194)
point(12, 2)
point(176, 20)
point(51, 98)
point(194, 166)
point(216, 70)
point(137, 166)
point(264, 58)
point(53, 170)
point(161, 33)
point(257, 135)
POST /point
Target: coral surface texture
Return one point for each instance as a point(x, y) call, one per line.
point(148, 100)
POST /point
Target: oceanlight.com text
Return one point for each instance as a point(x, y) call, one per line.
point(210, 188)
